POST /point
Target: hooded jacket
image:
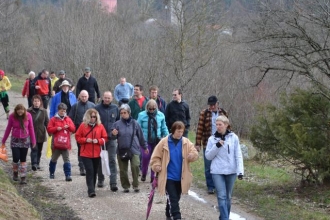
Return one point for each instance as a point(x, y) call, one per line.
point(162, 130)
point(57, 121)
point(161, 157)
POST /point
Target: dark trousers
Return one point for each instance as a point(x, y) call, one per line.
point(36, 153)
point(173, 193)
point(80, 162)
point(91, 166)
point(45, 101)
point(29, 101)
point(5, 102)
point(19, 154)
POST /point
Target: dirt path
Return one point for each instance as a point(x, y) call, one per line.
point(118, 205)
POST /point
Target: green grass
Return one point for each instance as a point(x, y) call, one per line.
point(17, 81)
point(274, 192)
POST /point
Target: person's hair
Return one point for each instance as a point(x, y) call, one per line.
point(20, 118)
point(140, 87)
point(179, 92)
point(177, 125)
point(125, 107)
point(32, 73)
point(223, 118)
point(44, 71)
point(153, 88)
point(151, 102)
point(38, 97)
point(52, 72)
point(87, 116)
point(62, 106)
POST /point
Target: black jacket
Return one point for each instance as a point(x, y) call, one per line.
point(109, 115)
point(176, 111)
point(90, 85)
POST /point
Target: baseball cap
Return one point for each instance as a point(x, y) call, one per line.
point(212, 100)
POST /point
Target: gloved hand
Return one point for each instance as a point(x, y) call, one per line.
point(240, 176)
point(219, 145)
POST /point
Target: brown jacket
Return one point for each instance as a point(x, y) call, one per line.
point(161, 157)
point(39, 124)
point(204, 127)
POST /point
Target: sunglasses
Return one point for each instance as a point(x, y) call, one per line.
point(93, 116)
point(174, 94)
point(151, 109)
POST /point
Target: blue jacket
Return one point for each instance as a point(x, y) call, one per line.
point(228, 158)
point(162, 130)
point(57, 100)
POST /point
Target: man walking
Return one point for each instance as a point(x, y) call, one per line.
point(76, 114)
point(139, 102)
point(42, 86)
point(123, 91)
point(89, 83)
point(109, 114)
point(153, 94)
point(62, 77)
point(206, 127)
point(177, 110)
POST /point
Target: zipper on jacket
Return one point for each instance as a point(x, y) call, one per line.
point(228, 149)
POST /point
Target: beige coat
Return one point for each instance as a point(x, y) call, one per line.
point(161, 157)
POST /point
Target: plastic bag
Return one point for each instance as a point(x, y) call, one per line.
point(3, 153)
point(105, 161)
point(49, 147)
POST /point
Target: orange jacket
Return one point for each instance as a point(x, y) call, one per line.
point(91, 150)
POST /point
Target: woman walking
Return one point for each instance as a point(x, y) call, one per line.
point(40, 122)
point(154, 127)
point(91, 135)
point(28, 90)
point(20, 125)
point(129, 135)
point(171, 158)
point(224, 150)
point(5, 85)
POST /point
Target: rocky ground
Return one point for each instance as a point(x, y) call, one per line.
point(57, 199)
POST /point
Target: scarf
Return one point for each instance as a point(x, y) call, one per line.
point(221, 136)
point(152, 127)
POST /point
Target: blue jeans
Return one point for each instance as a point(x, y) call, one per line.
point(207, 170)
point(224, 185)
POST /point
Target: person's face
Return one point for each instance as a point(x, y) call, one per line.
point(107, 98)
point(65, 89)
point(32, 76)
point(124, 114)
point(20, 112)
point(213, 107)
point(151, 108)
point(221, 127)
point(153, 94)
point(45, 74)
point(36, 103)
point(61, 76)
point(122, 81)
point(87, 74)
point(93, 117)
point(178, 133)
point(83, 97)
point(137, 91)
point(61, 112)
point(176, 96)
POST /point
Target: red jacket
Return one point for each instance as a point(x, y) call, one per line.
point(26, 89)
point(56, 122)
point(91, 150)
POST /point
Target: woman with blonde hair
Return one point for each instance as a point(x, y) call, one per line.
point(91, 135)
point(20, 124)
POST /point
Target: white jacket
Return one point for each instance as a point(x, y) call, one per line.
point(228, 158)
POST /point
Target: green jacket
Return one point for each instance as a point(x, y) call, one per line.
point(135, 108)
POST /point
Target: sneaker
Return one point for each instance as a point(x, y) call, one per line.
point(126, 190)
point(92, 195)
point(52, 176)
point(113, 187)
point(34, 167)
point(82, 172)
point(143, 178)
point(100, 184)
point(210, 191)
point(136, 189)
point(23, 180)
point(68, 178)
point(15, 176)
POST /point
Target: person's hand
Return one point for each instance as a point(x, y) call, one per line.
point(98, 99)
point(95, 141)
point(59, 128)
point(146, 151)
point(66, 126)
point(240, 176)
point(198, 148)
point(37, 87)
point(114, 132)
point(158, 169)
point(53, 93)
point(220, 143)
point(190, 156)
point(89, 140)
point(33, 146)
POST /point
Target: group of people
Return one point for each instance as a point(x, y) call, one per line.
point(155, 133)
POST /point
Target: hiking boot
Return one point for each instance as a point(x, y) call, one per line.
point(210, 191)
point(126, 190)
point(113, 187)
point(34, 167)
point(136, 189)
point(143, 178)
point(38, 167)
point(82, 172)
point(15, 176)
point(51, 176)
point(7, 113)
point(92, 195)
point(23, 180)
point(100, 184)
point(68, 178)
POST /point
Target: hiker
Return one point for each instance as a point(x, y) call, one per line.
point(123, 91)
point(28, 90)
point(5, 85)
point(42, 86)
point(153, 94)
point(138, 103)
point(88, 82)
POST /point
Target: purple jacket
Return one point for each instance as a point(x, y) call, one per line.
point(14, 127)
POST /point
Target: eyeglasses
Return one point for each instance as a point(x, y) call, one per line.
point(174, 94)
point(151, 109)
point(93, 116)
